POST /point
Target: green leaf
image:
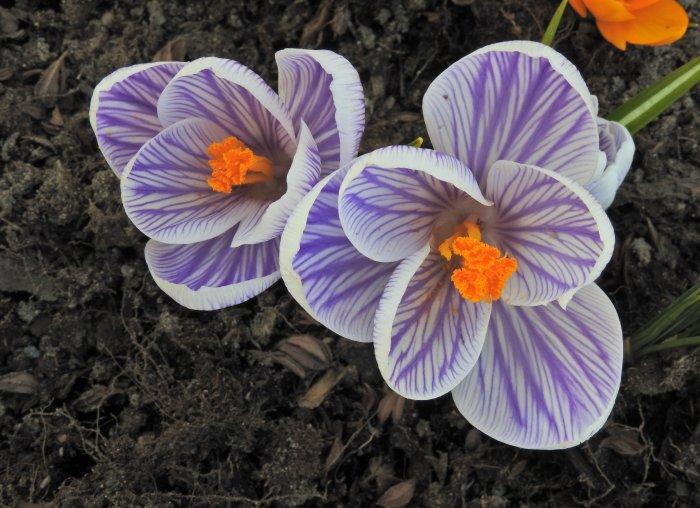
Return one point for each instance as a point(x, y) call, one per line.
point(677, 325)
point(551, 31)
point(650, 103)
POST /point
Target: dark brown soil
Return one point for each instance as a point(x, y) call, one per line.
point(131, 400)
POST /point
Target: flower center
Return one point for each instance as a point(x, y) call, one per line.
point(482, 272)
point(233, 163)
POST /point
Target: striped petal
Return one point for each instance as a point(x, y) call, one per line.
point(211, 275)
point(546, 377)
point(557, 232)
point(617, 144)
point(520, 101)
point(329, 278)
point(391, 197)
point(236, 99)
point(123, 109)
point(426, 336)
point(323, 89)
point(165, 190)
point(302, 176)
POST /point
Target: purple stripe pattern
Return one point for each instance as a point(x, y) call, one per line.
point(123, 110)
point(507, 105)
point(361, 253)
point(391, 212)
point(341, 286)
point(546, 377)
point(557, 236)
point(392, 197)
point(618, 146)
point(427, 337)
point(210, 274)
point(155, 124)
point(323, 89)
point(209, 88)
point(165, 190)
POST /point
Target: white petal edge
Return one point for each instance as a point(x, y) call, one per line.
point(211, 298)
point(348, 96)
point(290, 244)
point(112, 79)
point(604, 188)
point(389, 304)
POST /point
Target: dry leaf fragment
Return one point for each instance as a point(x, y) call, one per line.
point(518, 468)
point(36, 111)
point(399, 495)
point(623, 442)
point(92, 398)
point(52, 82)
point(392, 404)
point(382, 473)
point(318, 392)
point(408, 117)
point(341, 20)
point(19, 382)
point(6, 73)
point(310, 352)
point(369, 397)
point(56, 117)
point(315, 26)
point(473, 439)
point(334, 455)
point(173, 51)
point(285, 361)
point(8, 22)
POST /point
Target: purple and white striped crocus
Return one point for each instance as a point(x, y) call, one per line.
point(212, 161)
point(471, 268)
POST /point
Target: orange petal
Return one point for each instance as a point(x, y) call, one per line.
point(614, 33)
point(661, 23)
point(579, 7)
point(634, 5)
point(609, 10)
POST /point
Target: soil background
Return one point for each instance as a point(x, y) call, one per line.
point(122, 398)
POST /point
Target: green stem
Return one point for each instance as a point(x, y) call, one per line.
point(670, 344)
point(551, 31)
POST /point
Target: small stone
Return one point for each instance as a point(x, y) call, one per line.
point(642, 250)
point(31, 352)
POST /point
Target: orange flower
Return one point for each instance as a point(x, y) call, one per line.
point(646, 22)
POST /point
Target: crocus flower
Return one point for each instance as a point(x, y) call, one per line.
point(471, 268)
point(212, 161)
point(645, 22)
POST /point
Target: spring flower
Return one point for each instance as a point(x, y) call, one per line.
point(212, 161)
point(646, 22)
point(471, 268)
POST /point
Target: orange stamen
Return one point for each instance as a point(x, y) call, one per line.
point(233, 163)
point(483, 272)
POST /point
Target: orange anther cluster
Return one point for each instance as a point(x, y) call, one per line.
point(483, 272)
point(233, 163)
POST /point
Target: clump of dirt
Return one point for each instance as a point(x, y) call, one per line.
point(114, 395)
